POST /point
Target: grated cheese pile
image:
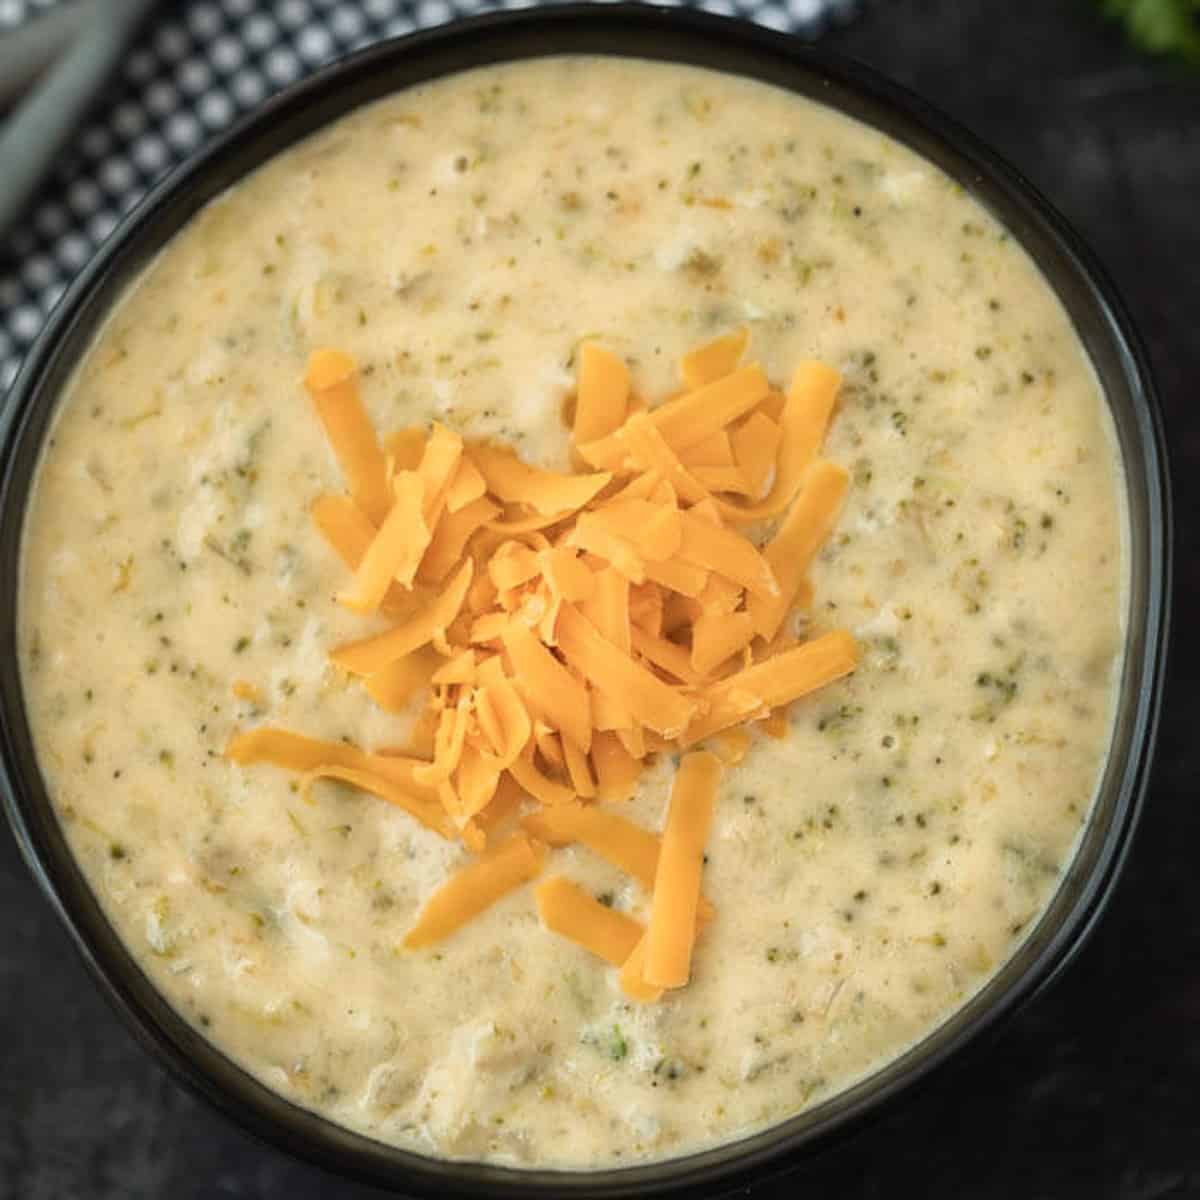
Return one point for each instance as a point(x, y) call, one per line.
point(567, 627)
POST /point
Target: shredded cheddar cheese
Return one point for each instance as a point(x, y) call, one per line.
point(633, 976)
point(603, 393)
point(395, 551)
point(672, 930)
point(567, 909)
point(332, 382)
point(565, 627)
point(475, 887)
point(714, 359)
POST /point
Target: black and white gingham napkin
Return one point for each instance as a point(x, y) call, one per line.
point(197, 65)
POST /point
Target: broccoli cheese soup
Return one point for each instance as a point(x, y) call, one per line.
point(877, 847)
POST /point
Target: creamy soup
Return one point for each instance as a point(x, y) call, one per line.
point(870, 871)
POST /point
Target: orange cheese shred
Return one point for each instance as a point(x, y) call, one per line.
point(344, 526)
point(372, 654)
point(567, 909)
point(294, 751)
point(649, 450)
point(668, 656)
point(787, 676)
point(475, 782)
point(776, 725)
point(633, 976)
point(716, 450)
point(608, 608)
point(716, 636)
point(467, 485)
point(592, 535)
point(400, 768)
point(332, 382)
point(754, 691)
point(698, 414)
point(714, 360)
point(550, 690)
point(282, 748)
point(755, 447)
point(804, 596)
point(616, 770)
point(608, 453)
point(672, 930)
point(460, 669)
point(450, 538)
point(421, 736)
point(799, 537)
point(646, 609)
point(394, 687)
point(517, 520)
point(720, 479)
point(579, 769)
point(648, 698)
point(720, 595)
point(627, 846)
point(679, 611)
point(404, 449)
point(566, 574)
point(489, 627)
point(475, 888)
point(549, 744)
point(505, 804)
point(504, 720)
point(513, 564)
point(449, 741)
point(731, 746)
point(428, 814)
point(439, 467)
point(602, 392)
point(718, 549)
point(473, 836)
point(608, 713)
point(686, 579)
point(547, 492)
point(624, 845)
point(539, 785)
point(349, 532)
point(633, 738)
point(805, 417)
point(395, 552)
point(653, 529)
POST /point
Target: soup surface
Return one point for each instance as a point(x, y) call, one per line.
point(870, 870)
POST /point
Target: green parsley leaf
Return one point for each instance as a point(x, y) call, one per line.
point(617, 1046)
point(1168, 27)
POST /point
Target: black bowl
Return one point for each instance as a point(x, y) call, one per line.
point(673, 35)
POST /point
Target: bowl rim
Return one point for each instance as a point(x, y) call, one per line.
point(661, 34)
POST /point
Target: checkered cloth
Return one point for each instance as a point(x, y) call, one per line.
point(197, 66)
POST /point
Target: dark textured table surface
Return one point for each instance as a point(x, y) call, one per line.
point(1094, 1091)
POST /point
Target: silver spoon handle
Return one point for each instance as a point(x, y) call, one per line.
point(38, 128)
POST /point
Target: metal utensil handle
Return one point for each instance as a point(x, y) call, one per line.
point(25, 52)
point(38, 128)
